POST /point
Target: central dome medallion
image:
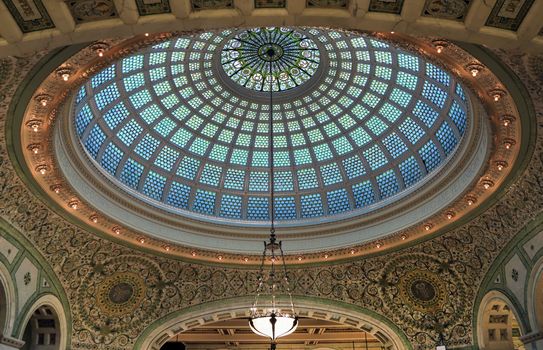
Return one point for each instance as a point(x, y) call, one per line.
point(283, 56)
point(182, 125)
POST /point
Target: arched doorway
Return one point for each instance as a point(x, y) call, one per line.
point(42, 332)
point(380, 332)
point(498, 326)
point(45, 327)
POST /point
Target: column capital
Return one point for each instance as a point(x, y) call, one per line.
point(8, 343)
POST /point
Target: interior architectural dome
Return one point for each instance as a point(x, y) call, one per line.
point(183, 124)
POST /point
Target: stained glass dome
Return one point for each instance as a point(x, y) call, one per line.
point(358, 123)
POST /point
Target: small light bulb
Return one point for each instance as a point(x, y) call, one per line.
point(43, 102)
point(35, 127)
point(470, 202)
point(474, 72)
point(378, 245)
point(117, 230)
point(146, 34)
point(439, 48)
point(352, 251)
point(219, 257)
point(245, 259)
point(142, 240)
point(100, 52)
point(35, 149)
point(449, 216)
point(497, 97)
point(73, 205)
point(427, 227)
point(507, 145)
point(193, 253)
point(326, 256)
point(167, 248)
point(403, 237)
point(500, 167)
point(56, 189)
point(300, 258)
point(65, 76)
point(94, 218)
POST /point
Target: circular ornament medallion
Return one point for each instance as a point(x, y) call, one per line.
point(120, 293)
point(423, 290)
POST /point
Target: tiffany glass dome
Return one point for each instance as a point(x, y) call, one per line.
point(358, 124)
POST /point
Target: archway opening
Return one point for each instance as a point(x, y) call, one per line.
point(42, 332)
point(500, 329)
point(3, 308)
point(311, 334)
point(538, 302)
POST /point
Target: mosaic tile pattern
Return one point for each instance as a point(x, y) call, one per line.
point(212, 4)
point(375, 123)
point(388, 6)
point(270, 3)
point(453, 10)
point(153, 7)
point(508, 14)
point(30, 15)
point(327, 3)
point(91, 10)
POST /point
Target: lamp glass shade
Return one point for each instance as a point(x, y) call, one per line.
point(273, 326)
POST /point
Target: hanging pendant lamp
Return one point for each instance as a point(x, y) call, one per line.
point(268, 320)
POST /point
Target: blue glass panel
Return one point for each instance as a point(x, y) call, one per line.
point(116, 115)
point(154, 185)
point(285, 208)
point(338, 201)
point(437, 74)
point(129, 132)
point(353, 167)
point(411, 130)
point(234, 179)
point(458, 116)
point(342, 145)
point(408, 61)
point(165, 127)
point(147, 146)
point(178, 195)
point(434, 94)
point(166, 158)
point(388, 184)
point(188, 168)
point(395, 145)
point(211, 175)
point(307, 179)
point(430, 156)
point(132, 63)
point(131, 173)
point(283, 181)
point(140, 99)
point(83, 119)
point(460, 92)
point(330, 174)
point(375, 157)
point(257, 208)
point(95, 140)
point(258, 181)
point(231, 206)
point(111, 158)
point(311, 206)
point(134, 82)
point(105, 75)
point(106, 96)
point(446, 138)
point(411, 171)
point(363, 194)
point(302, 156)
point(80, 94)
point(204, 202)
point(425, 113)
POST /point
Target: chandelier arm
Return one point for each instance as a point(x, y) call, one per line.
point(287, 280)
point(260, 280)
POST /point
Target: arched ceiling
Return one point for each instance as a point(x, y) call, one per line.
point(29, 25)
